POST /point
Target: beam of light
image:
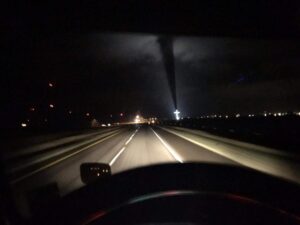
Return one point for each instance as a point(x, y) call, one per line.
point(166, 48)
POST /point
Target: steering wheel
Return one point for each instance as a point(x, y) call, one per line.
point(187, 193)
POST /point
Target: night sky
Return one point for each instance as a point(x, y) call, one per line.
point(109, 73)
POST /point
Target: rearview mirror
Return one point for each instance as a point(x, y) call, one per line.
point(91, 172)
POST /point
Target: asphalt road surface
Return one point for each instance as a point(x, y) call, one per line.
point(134, 147)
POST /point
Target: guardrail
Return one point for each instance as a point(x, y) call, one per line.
point(28, 161)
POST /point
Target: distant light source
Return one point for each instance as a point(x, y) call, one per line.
point(103, 125)
point(87, 114)
point(23, 125)
point(70, 111)
point(177, 114)
point(51, 105)
point(108, 124)
point(32, 109)
point(121, 114)
point(50, 84)
point(237, 115)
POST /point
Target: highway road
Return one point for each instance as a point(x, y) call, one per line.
point(133, 147)
point(136, 146)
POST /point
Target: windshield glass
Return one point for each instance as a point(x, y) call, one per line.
point(131, 100)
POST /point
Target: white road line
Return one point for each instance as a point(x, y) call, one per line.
point(128, 140)
point(117, 155)
point(170, 150)
point(123, 149)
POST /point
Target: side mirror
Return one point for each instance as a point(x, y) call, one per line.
point(91, 172)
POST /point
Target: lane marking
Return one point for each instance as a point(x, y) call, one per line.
point(122, 149)
point(61, 159)
point(116, 156)
point(130, 138)
point(169, 149)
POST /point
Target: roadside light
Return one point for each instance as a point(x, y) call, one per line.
point(23, 125)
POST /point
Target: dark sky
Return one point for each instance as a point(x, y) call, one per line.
point(109, 73)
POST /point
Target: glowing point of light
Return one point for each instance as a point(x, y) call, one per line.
point(87, 114)
point(70, 111)
point(121, 114)
point(137, 119)
point(51, 105)
point(237, 115)
point(23, 124)
point(32, 109)
point(177, 114)
point(226, 116)
point(50, 84)
point(103, 125)
point(108, 124)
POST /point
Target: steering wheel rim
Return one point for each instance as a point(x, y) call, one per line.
point(121, 187)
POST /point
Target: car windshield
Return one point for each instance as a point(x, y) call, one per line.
point(137, 99)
